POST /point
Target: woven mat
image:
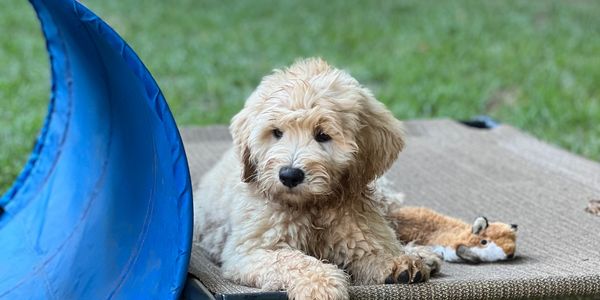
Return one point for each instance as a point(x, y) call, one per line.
point(501, 173)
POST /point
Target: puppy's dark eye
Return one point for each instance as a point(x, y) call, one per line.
point(277, 133)
point(483, 242)
point(322, 137)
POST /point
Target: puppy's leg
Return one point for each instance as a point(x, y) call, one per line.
point(382, 268)
point(303, 276)
point(384, 260)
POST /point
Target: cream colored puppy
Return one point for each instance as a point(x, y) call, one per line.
point(292, 205)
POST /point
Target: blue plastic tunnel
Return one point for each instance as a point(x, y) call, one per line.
point(103, 207)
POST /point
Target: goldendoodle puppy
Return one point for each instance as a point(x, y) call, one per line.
point(293, 205)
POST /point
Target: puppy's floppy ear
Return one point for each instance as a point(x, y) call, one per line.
point(240, 132)
point(380, 139)
point(249, 170)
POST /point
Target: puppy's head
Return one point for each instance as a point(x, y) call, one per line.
point(311, 131)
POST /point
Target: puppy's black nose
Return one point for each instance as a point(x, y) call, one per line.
point(291, 177)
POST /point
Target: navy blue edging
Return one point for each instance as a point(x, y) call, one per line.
point(481, 122)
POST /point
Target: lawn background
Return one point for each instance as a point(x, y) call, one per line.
point(531, 64)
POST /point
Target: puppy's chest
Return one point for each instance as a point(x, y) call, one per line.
point(299, 231)
point(325, 236)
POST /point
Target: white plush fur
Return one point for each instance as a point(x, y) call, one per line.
point(313, 239)
point(447, 253)
point(488, 253)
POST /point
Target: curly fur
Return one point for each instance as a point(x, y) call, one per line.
point(314, 239)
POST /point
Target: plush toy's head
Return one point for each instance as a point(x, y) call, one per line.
point(489, 242)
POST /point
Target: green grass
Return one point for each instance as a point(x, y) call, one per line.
point(531, 64)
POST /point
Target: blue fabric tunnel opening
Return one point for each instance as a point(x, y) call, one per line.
point(103, 207)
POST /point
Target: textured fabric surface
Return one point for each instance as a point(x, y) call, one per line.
point(500, 173)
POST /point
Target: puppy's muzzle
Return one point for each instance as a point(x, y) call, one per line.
point(291, 177)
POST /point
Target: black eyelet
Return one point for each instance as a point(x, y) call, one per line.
point(277, 133)
point(484, 242)
point(322, 137)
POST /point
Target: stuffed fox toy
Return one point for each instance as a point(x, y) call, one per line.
point(453, 239)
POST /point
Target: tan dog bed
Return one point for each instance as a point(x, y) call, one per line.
point(466, 172)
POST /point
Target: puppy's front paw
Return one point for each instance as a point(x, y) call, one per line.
point(430, 258)
point(329, 283)
point(409, 269)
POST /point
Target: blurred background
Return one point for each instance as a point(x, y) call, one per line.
point(531, 64)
